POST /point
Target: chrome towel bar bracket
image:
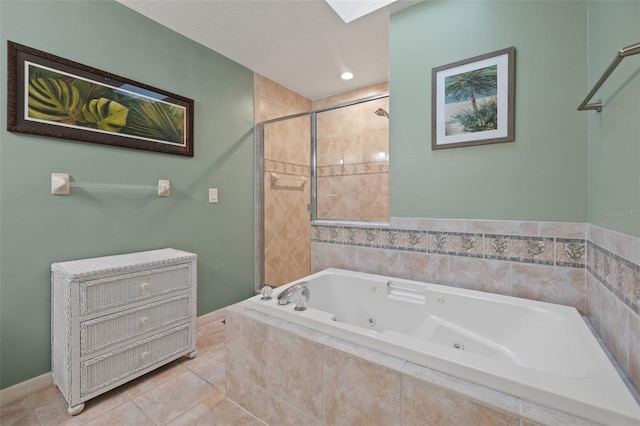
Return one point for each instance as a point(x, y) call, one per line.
point(631, 50)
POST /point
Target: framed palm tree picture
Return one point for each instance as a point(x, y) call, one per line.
point(473, 101)
point(51, 96)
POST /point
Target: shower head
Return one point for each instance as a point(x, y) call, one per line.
point(381, 112)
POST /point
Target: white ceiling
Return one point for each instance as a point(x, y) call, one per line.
point(301, 44)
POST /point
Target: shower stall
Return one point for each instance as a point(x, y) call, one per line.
point(328, 164)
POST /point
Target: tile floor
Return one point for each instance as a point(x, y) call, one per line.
point(184, 392)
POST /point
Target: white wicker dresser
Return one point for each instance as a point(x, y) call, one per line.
point(116, 318)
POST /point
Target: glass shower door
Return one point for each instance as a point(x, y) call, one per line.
point(286, 194)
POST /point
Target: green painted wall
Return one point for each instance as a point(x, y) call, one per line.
point(38, 228)
point(540, 176)
point(614, 133)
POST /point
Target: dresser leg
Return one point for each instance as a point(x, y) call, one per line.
point(76, 409)
point(192, 354)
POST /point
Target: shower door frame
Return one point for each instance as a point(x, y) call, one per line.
point(258, 195)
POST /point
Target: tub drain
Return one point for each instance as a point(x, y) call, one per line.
point(458, 346)
point(371, 321)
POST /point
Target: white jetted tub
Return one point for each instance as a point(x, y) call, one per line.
point(537, 351)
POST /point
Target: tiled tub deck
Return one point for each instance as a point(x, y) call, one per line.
point(287, 374)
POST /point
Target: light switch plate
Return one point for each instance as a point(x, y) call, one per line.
point(213, 195)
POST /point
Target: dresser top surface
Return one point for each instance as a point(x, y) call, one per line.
point(75, 269)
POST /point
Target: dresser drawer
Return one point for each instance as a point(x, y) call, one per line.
point(112, 329)
point(117, 366)
point(111, 292)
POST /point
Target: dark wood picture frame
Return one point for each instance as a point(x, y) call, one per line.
point(51, 96)
point(473, 101)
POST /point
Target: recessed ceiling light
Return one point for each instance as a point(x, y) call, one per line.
point(346, 75)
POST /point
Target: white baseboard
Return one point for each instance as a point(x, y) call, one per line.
point(26, 388)
point(36, 384)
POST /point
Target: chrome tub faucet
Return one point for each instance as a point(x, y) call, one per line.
point(283, 298)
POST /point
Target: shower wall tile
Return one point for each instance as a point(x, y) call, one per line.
point(286, 152)
point(351, 95)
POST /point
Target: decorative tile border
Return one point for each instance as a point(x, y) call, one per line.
point(515, 248)
point(568, 252)
point(275, 166)
point(367, 168)
point(455, 243)
point(619, 275)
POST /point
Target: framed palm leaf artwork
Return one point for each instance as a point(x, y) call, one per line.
point(52, 96)
point(473, 101)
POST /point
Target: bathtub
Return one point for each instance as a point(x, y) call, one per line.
point(537, 351)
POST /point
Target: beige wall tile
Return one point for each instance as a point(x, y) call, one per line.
point(553, 284)
point(294, 371)
point(246, 348)
point(264, 406)
point(415, 223)
point(507, 227)
point(601, 236)
point(351, 95)
point(634, 349)
point(614, 327)
point(562, 230)
point(593, 302)
point(431, 268)
point(480, 274)
point(426, 404)
point(333, 256)
point(359, 392)
point(625, 246)
point(447, 225)
point(377, 261)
